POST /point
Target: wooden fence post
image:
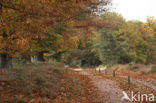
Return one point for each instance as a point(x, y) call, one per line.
point(113, 73)
point(66, 69)
point(129, 80)
point(99, 71)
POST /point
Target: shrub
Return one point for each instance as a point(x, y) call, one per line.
point(36, 80)
point(20, 76)
point(57, 71)
point(39, 81)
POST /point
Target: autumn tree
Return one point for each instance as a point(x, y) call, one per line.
point(150, 37)
point(134, 39)
point(25, 23)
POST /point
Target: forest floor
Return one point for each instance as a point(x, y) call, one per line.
point(56, 83)
point(46, 83)
point(111, 88)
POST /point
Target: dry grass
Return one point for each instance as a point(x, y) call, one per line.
point(45, 83)
point(33, 81)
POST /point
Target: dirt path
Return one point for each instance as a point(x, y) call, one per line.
point(110, 91)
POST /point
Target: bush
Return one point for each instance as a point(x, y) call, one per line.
point(19, 75)
point(40, 82)
point(57, 71)
point(43, 79)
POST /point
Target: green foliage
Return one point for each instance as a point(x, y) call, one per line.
point(153, 69)
point(108, 48)
point(126, 42)
point(19, 75)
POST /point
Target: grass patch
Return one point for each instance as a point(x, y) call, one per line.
point(153, 69)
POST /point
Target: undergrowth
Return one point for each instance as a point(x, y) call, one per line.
point(45, 83)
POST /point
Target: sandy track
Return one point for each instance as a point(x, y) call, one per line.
point(110, 91)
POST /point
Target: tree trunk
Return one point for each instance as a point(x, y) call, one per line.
point(40, 57)
point(6, 61)
point(0, 60)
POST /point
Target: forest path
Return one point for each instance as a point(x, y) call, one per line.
point(109, 89)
